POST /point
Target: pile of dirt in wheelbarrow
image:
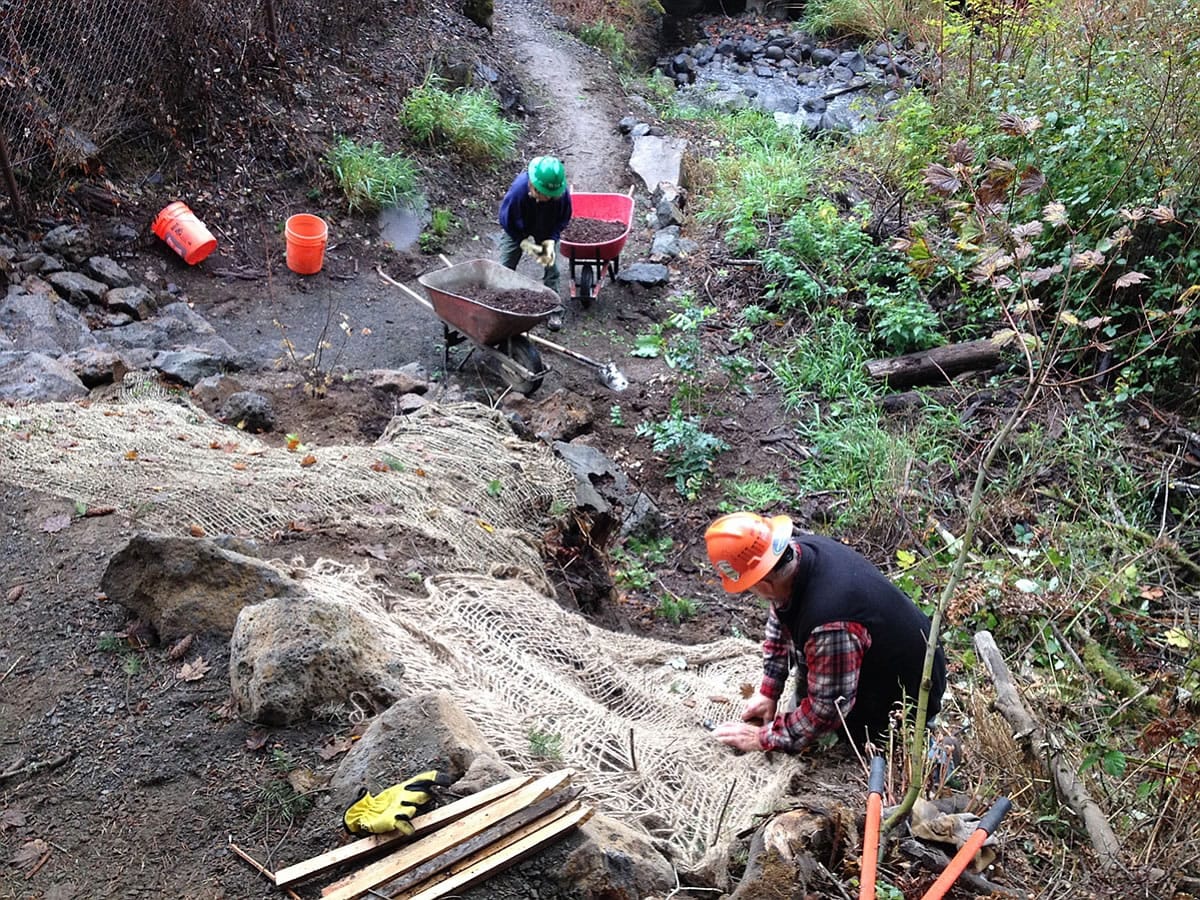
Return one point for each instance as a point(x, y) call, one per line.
point(526, 303)
point(593, 231)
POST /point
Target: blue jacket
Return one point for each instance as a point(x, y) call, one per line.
point(522, 216)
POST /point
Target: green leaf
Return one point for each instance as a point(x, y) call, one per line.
point(1113, 762)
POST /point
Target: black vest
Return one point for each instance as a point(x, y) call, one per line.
point(835, 584)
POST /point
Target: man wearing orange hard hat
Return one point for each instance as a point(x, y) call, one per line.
point(857, 640)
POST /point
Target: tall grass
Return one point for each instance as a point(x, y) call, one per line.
point(467, 120)
point(371, 178)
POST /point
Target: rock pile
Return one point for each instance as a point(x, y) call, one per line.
point(787, 73)
point(73, 319)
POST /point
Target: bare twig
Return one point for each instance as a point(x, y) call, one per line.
point(34, 767)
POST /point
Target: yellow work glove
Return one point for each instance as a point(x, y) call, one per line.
point(532, 247)
point(547, 257)
point(392, 809)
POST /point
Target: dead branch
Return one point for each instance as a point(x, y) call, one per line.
point(1036, 744)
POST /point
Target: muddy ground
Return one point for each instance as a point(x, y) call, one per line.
point(117, 778)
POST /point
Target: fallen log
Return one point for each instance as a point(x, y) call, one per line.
point(935, 366)
point(1038, 747)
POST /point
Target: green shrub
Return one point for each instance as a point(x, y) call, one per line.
point(676, 609)
point(369, 177)
point(441, 224)
point(605, 37)
point(467, 120)
point(689, 450)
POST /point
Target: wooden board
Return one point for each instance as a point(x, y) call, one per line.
point(411, 855)
point(484, 839)
point(498, 862)
point(489, 850)
point(423, 824)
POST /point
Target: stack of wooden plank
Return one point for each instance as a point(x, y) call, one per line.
point(452, 847)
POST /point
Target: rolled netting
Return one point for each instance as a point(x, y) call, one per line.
point(544, 686)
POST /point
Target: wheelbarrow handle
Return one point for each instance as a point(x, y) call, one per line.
point(404, 287)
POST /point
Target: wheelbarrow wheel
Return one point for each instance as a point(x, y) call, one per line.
point(521, 351)
point(587, 282)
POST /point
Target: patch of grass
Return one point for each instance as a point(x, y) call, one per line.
point(605, 37)
point(676, 609)
point(545, 744)
point(370, 178)
point(108, 643)
point(441, 224)
point(754, 494)
point(467, 120)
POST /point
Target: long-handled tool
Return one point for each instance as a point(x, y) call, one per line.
point(870, 854)
point(989, 823)
point(610, 376)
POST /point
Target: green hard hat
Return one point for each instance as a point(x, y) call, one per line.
point(548, 176)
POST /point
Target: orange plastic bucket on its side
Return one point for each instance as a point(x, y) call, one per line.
point(306, 236)
point(184, 233)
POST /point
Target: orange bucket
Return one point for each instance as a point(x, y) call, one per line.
point(306, 236)
point(184, 233)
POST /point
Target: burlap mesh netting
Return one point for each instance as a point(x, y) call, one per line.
point(625, 711)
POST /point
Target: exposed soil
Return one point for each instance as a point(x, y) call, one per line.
point(593, 231)
point(525, 302)
point(119, 778)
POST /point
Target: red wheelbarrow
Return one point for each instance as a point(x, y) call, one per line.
point(590, 262)
point(496, 332)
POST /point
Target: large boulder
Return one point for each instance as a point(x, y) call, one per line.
point(290, 656)
point(188, 586)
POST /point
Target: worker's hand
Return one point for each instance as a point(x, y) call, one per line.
point(739, 735)
point(760, 707)
point(548, 253)
point(532, 247)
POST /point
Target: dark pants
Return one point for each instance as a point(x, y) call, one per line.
point(510, 255)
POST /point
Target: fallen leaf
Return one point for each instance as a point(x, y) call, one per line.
point(131, 454)
point(746, 690)
point(239, 466)
point(29, 853)
point(689, 703)
point(196, 531)
point(12, 818)
point(180, 648)
point(380, 466)
point(303, 780)
point(717, 698)
point(15, 593)
point(308, 460)
point(330, 750)
point(257, 739)
point(194, 670)
point(485, 526)
point(93, 511)
point(55, 524)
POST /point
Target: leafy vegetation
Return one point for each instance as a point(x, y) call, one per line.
point(467, 120)
point(370, 178)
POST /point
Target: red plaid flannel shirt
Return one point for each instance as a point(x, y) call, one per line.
point(827, 677)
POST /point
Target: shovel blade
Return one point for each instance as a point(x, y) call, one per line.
point(612, 377)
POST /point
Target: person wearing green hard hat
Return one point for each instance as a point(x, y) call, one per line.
point(533, 214)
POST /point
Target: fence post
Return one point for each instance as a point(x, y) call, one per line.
point(10, 179)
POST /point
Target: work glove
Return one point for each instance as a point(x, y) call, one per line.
point(393, 808)
point(547, 257)
point(532, 247)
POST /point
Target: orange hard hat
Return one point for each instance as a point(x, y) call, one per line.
point(745, 546)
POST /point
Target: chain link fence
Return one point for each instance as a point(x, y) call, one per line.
point(77, 75)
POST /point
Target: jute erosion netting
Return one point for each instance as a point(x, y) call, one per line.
point(624, 710)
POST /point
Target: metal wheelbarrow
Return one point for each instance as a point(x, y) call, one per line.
point(500, 334)
point(590, 262)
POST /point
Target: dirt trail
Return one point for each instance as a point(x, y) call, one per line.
point(578, 98)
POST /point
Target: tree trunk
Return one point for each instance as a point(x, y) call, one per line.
point(936, 366)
